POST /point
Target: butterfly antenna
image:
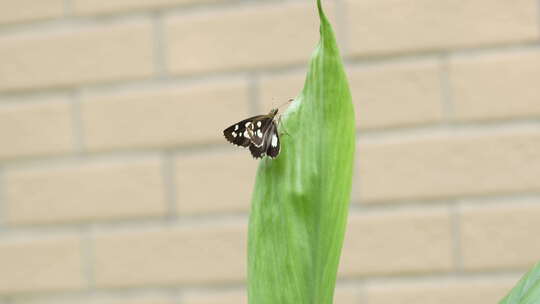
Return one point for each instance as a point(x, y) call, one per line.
point(288, 101)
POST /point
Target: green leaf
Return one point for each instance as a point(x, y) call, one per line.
point(301, 199)
point(527, 290)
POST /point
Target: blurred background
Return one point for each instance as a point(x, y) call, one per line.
point(117, 187)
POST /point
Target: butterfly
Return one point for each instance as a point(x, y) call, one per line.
point(259, 133)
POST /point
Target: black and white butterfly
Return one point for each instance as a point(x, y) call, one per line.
point(259, 133)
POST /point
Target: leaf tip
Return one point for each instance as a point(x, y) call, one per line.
point(320, 9)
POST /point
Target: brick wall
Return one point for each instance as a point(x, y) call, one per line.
point(117, 187)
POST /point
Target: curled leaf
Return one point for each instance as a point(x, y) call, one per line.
point(300, 203)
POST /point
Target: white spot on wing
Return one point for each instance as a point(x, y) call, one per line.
point(234, 134)
point(247, 124)
point(274, 140)
point(246, 134)
point(259, 124)
point(236, 127)
point(259, 133)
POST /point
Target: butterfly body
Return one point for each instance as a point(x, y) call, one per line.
point(259, 133)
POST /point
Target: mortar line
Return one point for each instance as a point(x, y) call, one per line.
point(538, 18)
point(361, 297)
point(254, 92)
point(77, 121)
point(2, 201)
point(500, 274)
point(479, 201)
point(455, 222)
point(487, 128)
point(168, 173)
point(447, 100)
point(217, 218)
point(178, 297)
point(355, 198)
point(342, 26)
point(278, 69)
point(175, 10)
point(159, 46)
point(87, 258)
point(438, 128)
point(165, 290)
point(68, 8)
point(181, 10)
point(32, 96)
point(168, 289)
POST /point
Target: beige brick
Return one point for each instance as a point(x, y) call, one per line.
point(134, 298)
point(88, 54)
point(163, 117)
point(441, 291)
point(384, 95)
point(84, 7)
point(277, 89)
point(397, 242)
point(197, 254)
point(436, 166)
point(346, 295)
point(389, 26)
point(279, 34)
point(500, 236)
point(26, 10)
point(36, 128)
point(396, 94)
point(231, 177)
point(40, 265)
point(343, 295)
point(95, 190)
point(215, 297)
point(497, 86)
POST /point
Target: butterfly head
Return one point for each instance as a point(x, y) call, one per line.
point(273, 112)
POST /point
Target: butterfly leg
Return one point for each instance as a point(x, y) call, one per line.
point(283, 127)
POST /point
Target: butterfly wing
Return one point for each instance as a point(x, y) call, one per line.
point(241, 132)
point(258, 152)
point(260, 128)
point(269, 144)
point(273, 145)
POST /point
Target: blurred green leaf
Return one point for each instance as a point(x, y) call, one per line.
point(527, 290)
point(300, 203)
